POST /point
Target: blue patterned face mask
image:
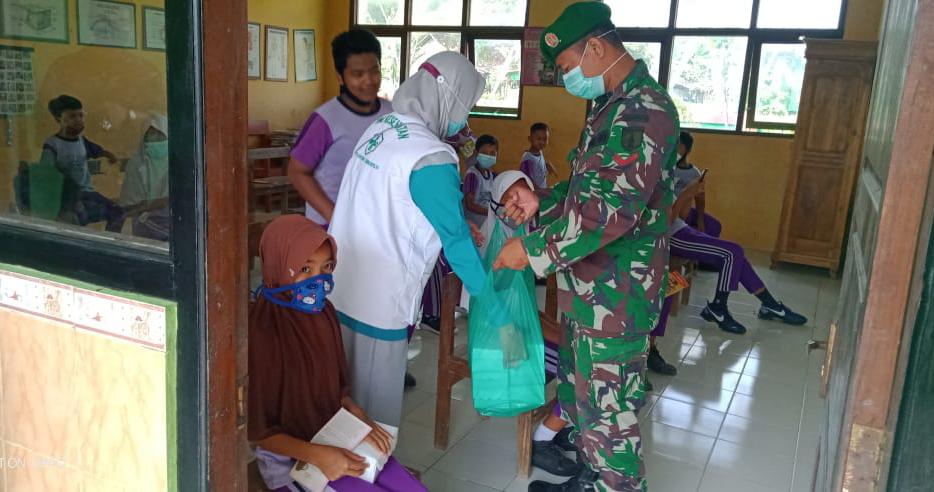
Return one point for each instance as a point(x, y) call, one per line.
point(308, 296)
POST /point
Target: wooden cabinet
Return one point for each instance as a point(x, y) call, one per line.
point(826, 157)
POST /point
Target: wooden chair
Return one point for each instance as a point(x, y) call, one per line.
point(687, 268)
point(453, 367)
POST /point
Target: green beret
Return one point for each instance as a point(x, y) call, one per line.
point(577, 20)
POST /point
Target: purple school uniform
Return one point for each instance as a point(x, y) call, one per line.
point(326, 143)
point(535, 168)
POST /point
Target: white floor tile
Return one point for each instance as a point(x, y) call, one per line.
point(708, 375)
point(689, 417)
point(715, 481)
point(463, 417)
point(436, 480)
point(712, 397)
point(665, 474)
point(480, 462)
point(770, 409)
point(786, 371)
point(756, 466)
point(711, 356)
point(497, 431)
point(677, 444)
point(413, 398)
point(760, 435)
point(416, 446)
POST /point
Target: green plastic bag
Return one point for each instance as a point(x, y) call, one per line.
point(507, 363)
point(45, 190)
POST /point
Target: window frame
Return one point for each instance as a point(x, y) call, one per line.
point(469, 35)
point(756, 37)
point(176, 273)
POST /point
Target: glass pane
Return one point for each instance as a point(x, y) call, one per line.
point(778, 90)
point(497, 12)
point(714, 13)
point(391, 65)
point(651, 53)
point(786, 14)
point(706, 80)
point(498, 61)
point(424, 44)
point(437, 12)
point(640, 13)
point(381, 12)
point(85, 131)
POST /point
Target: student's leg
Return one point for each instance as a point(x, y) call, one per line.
point(655, 361)
point(395, 478)
point(547, 452)
point(728, 259)
point(377, 374)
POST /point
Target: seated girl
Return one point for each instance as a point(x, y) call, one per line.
point(145, 192)
point(298, 375)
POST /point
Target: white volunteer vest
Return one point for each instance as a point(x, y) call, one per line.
point(386, 248)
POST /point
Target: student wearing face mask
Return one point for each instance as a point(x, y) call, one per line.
point(145, 191)
point(604, 231)
point(400, 203)
point(478, 181)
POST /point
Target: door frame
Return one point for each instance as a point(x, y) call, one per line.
point(875, 374)
point(223, 60)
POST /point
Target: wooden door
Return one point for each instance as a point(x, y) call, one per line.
point(828, 141)
point(863, 350)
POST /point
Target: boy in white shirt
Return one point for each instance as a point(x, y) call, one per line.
point(533, 162)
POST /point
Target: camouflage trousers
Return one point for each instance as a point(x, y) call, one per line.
point(601, 388)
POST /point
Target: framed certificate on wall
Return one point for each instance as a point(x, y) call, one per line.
point(253, 63)
point(306, 68)
point(36, 20)
point(153, 29)
point(277, 54)
point(107, 23)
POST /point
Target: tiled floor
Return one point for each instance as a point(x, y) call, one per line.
point(741, 415)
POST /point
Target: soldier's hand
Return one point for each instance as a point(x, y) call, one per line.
point(522, 205)
point(512, 256)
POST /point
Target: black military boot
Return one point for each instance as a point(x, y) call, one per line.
point(584, 481)
point(548, 456)
point(563, 440)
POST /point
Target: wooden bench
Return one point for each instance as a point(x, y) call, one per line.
point(453, 367)
point(687, 268)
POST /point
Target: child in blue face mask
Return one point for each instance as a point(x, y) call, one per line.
point(298, 372)
point(145, 192)
point(478, 181)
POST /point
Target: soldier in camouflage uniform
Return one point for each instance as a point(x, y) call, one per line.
point(605, 232)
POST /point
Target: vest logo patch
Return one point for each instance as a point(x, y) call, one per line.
point(373, 143)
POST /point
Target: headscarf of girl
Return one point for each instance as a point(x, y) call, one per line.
point(441, 93)
point(298, 373)
point(147, 171)
point(501, 185)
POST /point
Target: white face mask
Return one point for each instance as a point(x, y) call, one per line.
point(680, 156)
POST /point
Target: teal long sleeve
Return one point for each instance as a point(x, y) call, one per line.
point(436, 191)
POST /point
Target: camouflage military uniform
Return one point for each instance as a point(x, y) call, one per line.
point(604, 232)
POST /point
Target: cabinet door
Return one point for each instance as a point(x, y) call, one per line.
point(834, 105)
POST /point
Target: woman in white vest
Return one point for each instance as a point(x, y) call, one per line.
point(400, 202)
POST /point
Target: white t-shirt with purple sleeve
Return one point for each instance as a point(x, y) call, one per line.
point(534, 167)
point(326, 143)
